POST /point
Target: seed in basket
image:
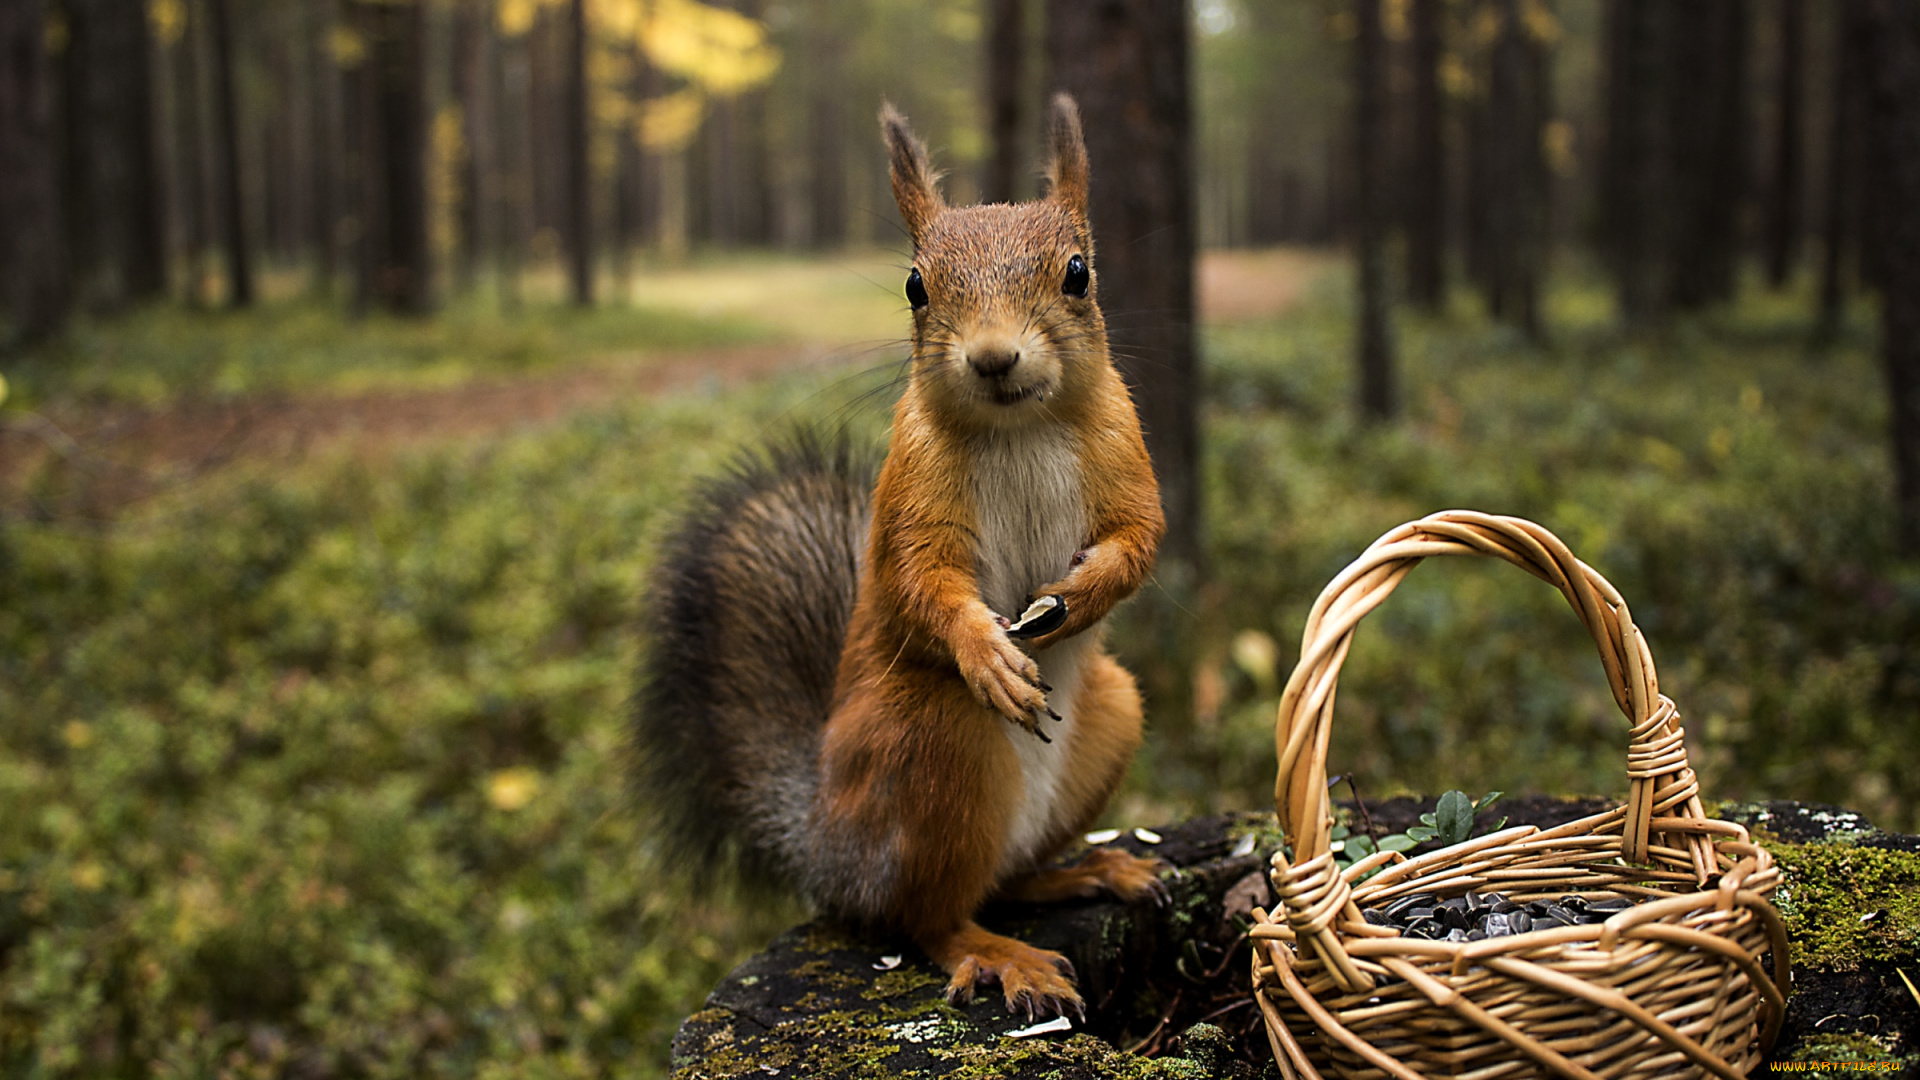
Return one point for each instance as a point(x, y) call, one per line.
point(1399, 907)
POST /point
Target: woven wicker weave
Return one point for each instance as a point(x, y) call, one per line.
point(1671, 987)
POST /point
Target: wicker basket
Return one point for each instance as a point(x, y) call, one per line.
point(1673, 986)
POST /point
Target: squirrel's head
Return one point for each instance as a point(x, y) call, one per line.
point(1006, 330)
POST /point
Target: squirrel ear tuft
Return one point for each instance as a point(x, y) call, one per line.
point(913, 175)
point(1067, 173)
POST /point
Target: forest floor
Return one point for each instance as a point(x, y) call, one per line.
point(314, 714)
point(771, 316)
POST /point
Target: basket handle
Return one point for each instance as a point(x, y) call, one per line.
point(1661, 783)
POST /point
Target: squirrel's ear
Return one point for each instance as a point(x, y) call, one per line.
point(913, 175)
point(1067, 173)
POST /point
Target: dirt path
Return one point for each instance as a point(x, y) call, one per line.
point(104, 457)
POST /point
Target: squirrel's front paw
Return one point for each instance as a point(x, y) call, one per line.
point(1006, 680)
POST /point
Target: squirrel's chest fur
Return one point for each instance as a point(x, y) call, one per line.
point(1030, 517)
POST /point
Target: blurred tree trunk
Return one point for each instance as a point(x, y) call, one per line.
point(826, 110)
point(1892, 44)
point(1377, 390)
point(396, 260)
point(1426, 180)
point(1126, 63)
point(323, 162)
point(145, 254)
point(1510, 209)
point(1784, 191)
point(627, 192)
point(33, 274)
point(473, 51)
point(753, 172)
point(1709, 140)
point(187, 185)
point(1633, 181)
point(226, 109)
point(514, 119)
point(579, 196)
point(1006, 77)
point(716, 211)
point(118, 209)
point(1840, 211)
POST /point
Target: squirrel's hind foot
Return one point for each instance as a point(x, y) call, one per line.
point(1035, 982)
point(1110, 870)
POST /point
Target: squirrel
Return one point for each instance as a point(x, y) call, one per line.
point(834, 697)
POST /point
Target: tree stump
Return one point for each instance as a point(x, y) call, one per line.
point(1172, 981)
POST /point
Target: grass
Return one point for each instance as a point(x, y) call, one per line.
point(318, 769)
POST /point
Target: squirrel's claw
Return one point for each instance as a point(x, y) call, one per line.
point(1004, 678)
point(1157, 891)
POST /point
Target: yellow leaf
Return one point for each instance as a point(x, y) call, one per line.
point(512, 789)
point(346, 46)
point(669, 123)
point(1556, 144)
point(168, 19)
point(723, 52)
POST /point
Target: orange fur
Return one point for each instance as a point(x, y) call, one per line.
point(916, 759)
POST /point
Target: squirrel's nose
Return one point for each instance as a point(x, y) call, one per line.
point(992, 362)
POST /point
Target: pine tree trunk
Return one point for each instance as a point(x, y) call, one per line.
point(1426, 182)
point(1634, 193)
point(1784, 192)
point(474, 79)
point(579, 194)
point(1377, 390)
point(1842, 195)
point(227, 135)
point(1006, 85)
point(1893, 148)
point(1512, 206)
point(189, 180)
point(33, 275)
point(1126, 63)
point(143, 256)
point(826, 109)
point(393, 157)
point(1709, 141)
point(516, 176)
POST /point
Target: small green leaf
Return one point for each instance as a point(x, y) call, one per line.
point(1398, 842)
point(1455, 818)
point(1498, 825)
point(1428, 821)
point(1486, 800)
point(1339, 833)
point(1422, 833)
point(1360, 847)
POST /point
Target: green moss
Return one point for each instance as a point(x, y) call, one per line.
point(827, 975)
point(1850, 1047)
point(1845, 904)
point(900, 981)
point(1079, 1055)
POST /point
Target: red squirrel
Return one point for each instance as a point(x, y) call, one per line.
point(834, 697)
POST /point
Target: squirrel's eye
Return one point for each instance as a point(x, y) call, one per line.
point(916, 290)
point(1077, 277)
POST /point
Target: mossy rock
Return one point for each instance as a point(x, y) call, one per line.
point(822, 1001)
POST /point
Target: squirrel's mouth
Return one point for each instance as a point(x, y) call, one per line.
point(1014, 395)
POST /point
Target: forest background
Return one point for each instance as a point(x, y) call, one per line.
point(358, 353)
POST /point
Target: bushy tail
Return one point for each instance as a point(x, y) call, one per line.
point(745, 619)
